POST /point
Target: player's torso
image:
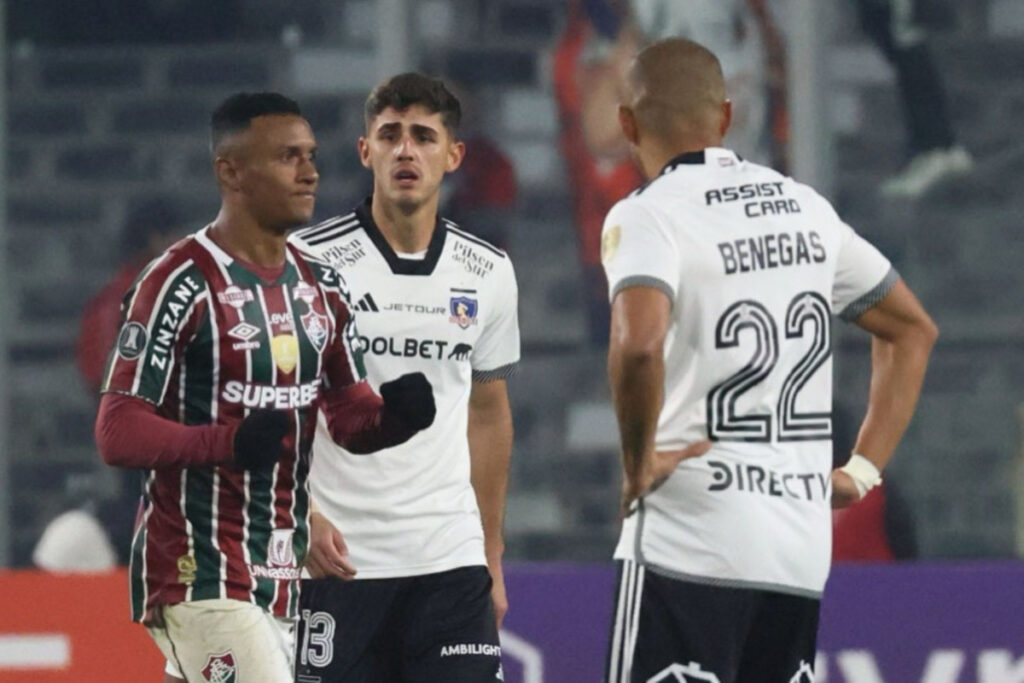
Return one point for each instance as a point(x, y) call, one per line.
point(219, 531)
point(748, 365)
point(405, 508)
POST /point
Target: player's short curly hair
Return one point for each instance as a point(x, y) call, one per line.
point(404, 90)
point(234, 114)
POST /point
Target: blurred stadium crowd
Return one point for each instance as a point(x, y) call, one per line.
point(107, 159)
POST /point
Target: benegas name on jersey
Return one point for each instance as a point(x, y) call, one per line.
point(764, 252)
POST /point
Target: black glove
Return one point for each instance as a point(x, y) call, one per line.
point(410, 400)
point(258, 439)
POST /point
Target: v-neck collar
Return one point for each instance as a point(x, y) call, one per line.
point(398, 265)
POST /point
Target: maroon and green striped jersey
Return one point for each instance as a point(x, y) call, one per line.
point(206, 341)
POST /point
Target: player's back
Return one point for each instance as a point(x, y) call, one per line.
point(750, 260)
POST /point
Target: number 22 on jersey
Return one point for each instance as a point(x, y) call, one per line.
point(808, 315)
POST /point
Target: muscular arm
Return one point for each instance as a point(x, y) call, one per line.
point(130, 434)
point(902, 339)
point(490, 449)
point(636, 369)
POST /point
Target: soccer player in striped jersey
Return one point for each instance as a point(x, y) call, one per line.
point(423, 520)
point(723, 278)
point(230, 341)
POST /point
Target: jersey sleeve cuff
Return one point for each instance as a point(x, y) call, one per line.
point(871, 298)
point(644, 281)
point(504, 372)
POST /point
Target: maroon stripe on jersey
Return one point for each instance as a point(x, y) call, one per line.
point(230, 499)
point(121, 374)
point(225, 317)
point(229, 533)
point(166, 540)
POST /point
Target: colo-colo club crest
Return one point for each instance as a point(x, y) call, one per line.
point(463, 311)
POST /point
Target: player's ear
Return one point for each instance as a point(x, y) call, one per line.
point(726, 117)
point(363, 147)
point(627, 122)
point(456, 153)
point(227, 172)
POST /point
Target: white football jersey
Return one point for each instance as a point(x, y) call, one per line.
point(755, 264)
point(452, 315)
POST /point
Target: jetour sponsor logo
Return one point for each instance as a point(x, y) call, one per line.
point(268, 396)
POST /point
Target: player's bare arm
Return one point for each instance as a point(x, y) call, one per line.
point(328, 552)
point(490, 449)
point(640, 319)
point(902, 339)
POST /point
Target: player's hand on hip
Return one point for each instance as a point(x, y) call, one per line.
point(660, 468)
point(410, 400)
point(258, 442)
point(844, 490)
point(328, 553)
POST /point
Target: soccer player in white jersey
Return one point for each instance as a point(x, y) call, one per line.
point(723, 278)
point(423, 524)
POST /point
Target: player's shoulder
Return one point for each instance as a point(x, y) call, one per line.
point(472, 241)
point(181, 257)
point(317, 238)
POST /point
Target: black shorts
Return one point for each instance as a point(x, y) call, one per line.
point(667, 630)
point(417, 629)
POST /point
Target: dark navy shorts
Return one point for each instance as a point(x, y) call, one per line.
point(418, 629)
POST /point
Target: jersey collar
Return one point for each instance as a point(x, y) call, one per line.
point(701, 157)
point(398, 265)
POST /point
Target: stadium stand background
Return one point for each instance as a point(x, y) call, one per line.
point(94, 128)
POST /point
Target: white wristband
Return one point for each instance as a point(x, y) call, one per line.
point(863, 472)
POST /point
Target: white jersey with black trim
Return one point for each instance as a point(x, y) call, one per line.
point(755, 264)
point(452, 315)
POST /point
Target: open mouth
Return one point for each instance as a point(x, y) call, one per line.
point(406, 177)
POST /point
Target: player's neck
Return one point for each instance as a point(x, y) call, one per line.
point(655, 156)
point(405, 232)
point(246, 240)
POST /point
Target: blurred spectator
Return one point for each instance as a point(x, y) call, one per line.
point(590, 62)
point(148, 230)
point(481, 194)
point(745, 38)
point(587, 85)
point(896, 28)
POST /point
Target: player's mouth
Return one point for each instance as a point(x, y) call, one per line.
point(405, 177)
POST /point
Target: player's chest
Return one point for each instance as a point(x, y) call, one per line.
point(279, 330)
point(436, 317)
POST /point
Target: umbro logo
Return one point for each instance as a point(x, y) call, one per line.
point(367, 304)
point(243, 331)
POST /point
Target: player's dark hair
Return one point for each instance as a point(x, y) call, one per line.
point(404, 90)
point(234, 114)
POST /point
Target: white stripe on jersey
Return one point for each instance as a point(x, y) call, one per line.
point(157, 306)
point(322, 227)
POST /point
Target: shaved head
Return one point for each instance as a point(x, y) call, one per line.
point(675, 87)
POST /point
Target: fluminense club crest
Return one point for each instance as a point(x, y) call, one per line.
point(316, 328)
point(220, 668)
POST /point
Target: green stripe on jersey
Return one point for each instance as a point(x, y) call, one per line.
point(167, 319)
point(199, 511)
point(199, 367)
point(137, 580)
point(261, 520)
